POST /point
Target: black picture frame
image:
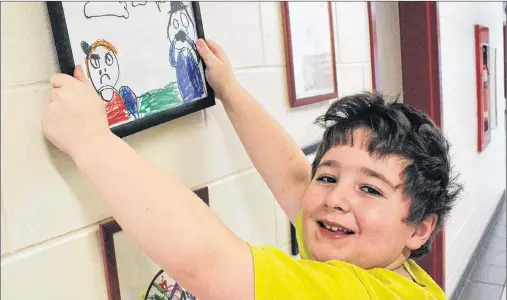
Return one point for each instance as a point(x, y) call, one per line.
point(66, 62)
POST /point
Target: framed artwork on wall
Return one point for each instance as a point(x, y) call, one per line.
point(309, 52)
point(131, 274)
point(140, 57)
point(483, 75)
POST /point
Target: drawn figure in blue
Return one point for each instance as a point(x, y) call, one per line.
point(183, 52)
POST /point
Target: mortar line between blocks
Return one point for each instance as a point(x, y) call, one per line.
point(8, 258)
point(227, 177)
point(30, 85)
point(258, 68)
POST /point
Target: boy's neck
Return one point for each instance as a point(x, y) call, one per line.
point(401, 270)
point(398, 267)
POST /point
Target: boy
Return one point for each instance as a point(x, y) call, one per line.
point(378, 189)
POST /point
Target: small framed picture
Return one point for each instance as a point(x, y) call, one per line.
point(131, 274)
point(140, 57)
point(309, 52)
point(483, 76)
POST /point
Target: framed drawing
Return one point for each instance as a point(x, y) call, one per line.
point(140, 57)
point(131, 274)
point(309, 52)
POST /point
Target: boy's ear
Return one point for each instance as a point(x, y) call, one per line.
point(422, 232)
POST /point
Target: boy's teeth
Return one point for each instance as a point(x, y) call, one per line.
point(334, 228)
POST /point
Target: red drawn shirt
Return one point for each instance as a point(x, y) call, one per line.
point(116, 110)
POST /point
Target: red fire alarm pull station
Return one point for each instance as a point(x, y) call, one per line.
point(483, 83)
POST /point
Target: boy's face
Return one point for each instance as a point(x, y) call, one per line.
point(362, 195)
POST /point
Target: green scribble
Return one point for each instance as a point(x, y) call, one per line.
point(159, 100)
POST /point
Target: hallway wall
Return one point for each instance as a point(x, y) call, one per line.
point(482, 173)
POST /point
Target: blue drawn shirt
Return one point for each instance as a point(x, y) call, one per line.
point(187, 72)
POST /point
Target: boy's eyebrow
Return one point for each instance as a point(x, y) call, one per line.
point(95, 56)
point(328, 163)
point(371, 173)
point(365, 171)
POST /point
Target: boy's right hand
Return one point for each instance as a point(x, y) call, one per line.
point(218, 69)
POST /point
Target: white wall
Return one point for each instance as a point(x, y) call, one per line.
point(483, 173)
point(50, 216)
point(387, 24)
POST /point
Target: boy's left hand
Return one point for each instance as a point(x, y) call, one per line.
point(76, 116)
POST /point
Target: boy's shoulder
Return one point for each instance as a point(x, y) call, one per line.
point(279, 276)
point(277, 273)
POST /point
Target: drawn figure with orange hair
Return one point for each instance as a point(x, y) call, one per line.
point(104, 71)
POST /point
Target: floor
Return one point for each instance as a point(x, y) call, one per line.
point(487, 278)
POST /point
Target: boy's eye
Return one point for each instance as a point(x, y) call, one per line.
point(326, 179)
point(370, 190)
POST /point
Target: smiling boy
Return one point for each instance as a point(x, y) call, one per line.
point(378, 190)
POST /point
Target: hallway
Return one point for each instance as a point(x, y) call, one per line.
point(487, 278)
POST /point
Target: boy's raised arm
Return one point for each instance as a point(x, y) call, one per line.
point(275, 155)
point(163, 217)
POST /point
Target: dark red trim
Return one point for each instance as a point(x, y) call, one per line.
point(374, 59)
point(107, 231)
point(420, 56)
point(293, 101)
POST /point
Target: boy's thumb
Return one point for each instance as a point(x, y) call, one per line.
point(79, 74)
point(205, 52)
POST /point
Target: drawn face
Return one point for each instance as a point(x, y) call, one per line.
point(180, 27)
point(104, 69)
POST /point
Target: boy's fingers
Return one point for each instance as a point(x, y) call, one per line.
point(79, 74)
point(59, 79)
point(206, 54)
point(217, 50)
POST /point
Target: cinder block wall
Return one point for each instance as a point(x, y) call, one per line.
point(50, 216)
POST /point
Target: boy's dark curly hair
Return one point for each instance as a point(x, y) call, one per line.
point(398, 129)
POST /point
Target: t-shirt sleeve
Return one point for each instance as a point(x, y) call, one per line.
point(279, 276)
point(304, 253)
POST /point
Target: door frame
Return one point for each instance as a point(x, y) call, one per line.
point(420, 57)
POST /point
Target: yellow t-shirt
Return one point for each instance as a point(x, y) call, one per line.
point(279, 276)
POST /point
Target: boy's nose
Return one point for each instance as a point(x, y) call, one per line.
point(338, 199)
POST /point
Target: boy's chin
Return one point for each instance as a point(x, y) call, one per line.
point(324, 252)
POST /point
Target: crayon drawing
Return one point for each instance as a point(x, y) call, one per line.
point(183, 52)
point(140, 57)
point(103, 70)
point(163, 287)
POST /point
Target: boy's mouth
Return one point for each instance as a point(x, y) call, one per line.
point(334, 228)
